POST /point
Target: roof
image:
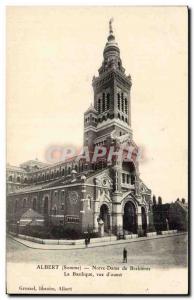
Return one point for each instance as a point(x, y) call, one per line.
point(57, 182)
point(36, 187)
point(31, 214)
point(15, 168)
point(34, 161)
point(91, 108)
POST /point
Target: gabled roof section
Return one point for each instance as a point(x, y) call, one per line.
point(144, 188)
point(31, 214)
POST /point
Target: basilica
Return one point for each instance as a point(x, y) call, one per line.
point(76, 193)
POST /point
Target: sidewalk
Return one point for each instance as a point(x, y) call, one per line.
point(33, 245)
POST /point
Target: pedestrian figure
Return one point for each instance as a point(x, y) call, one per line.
point(86, 242)
point(89, 240)
point(124, 255)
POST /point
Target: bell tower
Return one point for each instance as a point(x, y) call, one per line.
point(112, 103)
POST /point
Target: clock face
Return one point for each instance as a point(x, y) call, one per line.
point(73, 197)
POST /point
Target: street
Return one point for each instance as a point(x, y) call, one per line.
point(166, 252)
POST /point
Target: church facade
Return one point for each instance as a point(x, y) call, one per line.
point(106, 189)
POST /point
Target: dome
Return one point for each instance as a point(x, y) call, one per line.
point(91, 109)
point(111, 45)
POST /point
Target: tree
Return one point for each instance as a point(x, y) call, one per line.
point(183, 200)
point(159, 200)
point(154, 200)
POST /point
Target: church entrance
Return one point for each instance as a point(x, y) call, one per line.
point(144, 219)
point(104, 215)
point(130, 218)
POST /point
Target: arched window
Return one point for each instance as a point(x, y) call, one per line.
point(52, 175)
point(69, 170)
point(123, 177)
point(128, 178)
point(63, 172)
point(25, 180)
point(132, 179)
point(24, 203)
point(57, 173)
point(99, 106)
point(122, 105)
point(126, 120)
point(45, 208)
point(118, 101)
point(76, 168)
point(34, 204)
point(108, 101)
point(10, 178)
point(126, 106)
point(43, 177)
point(119, 116)
point(122, 118)
point(89, 202)
point(18, 179)
point(54, 210)
point(81, 167)
point(103, 102)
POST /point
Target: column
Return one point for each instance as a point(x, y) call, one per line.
point(110, 221)
point(95, 222)
point(117, 216)
point(147, 218)
point(82, 200)
point(139, 221)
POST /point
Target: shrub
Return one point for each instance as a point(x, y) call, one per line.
point(94, 235)
point(141, 233)
point(55, 232)
point(36, 231)
point(60, 232)
point(151, 228)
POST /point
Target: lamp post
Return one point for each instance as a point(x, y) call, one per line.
point(18, 223)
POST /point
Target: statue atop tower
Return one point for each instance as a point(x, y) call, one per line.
point(110, 25)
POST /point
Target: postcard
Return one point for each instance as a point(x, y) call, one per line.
point(97, 150)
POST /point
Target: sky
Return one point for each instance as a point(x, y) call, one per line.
point(52, 53)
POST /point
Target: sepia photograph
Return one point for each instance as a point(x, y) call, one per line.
point(97, 198)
